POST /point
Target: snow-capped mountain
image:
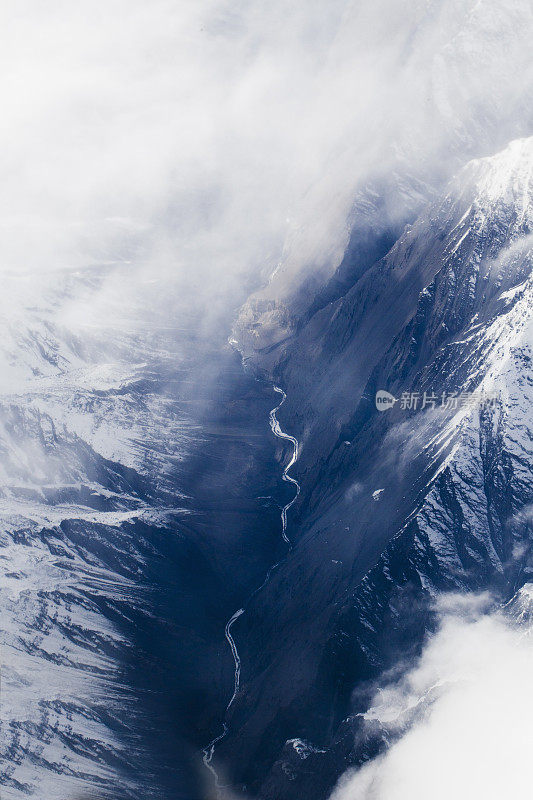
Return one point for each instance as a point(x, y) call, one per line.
point(117, 567)
point(265, 385)
point(461, 88)
point(431, 495)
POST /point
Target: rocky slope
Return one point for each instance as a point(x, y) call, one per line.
point(396, 505)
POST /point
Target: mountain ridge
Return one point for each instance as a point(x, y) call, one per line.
point(396, 506)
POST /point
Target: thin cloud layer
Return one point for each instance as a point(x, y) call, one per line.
point(205, 142)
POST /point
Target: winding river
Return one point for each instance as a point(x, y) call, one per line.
point(209, 751)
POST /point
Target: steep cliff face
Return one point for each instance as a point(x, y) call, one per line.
point(432, 494)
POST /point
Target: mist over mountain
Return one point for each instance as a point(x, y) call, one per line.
point(227, 231)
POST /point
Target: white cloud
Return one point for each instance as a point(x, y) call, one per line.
point(468, 705)
point(201, 139)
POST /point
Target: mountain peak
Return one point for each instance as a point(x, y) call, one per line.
point(505, 177)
